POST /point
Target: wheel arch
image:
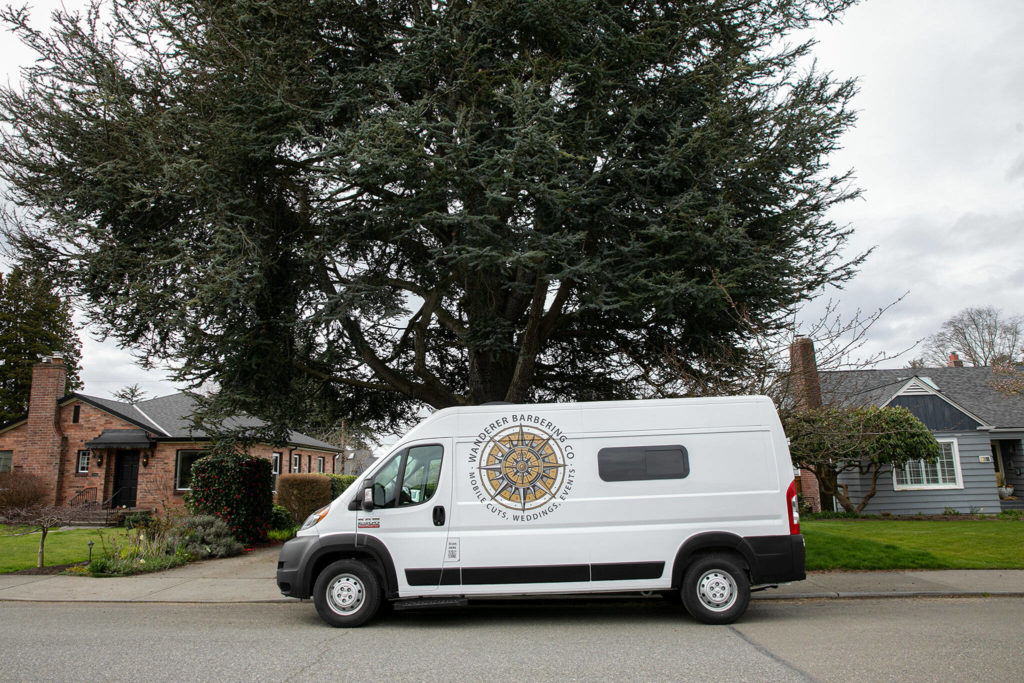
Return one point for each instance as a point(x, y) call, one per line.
point(366, 548)
point(711, 541)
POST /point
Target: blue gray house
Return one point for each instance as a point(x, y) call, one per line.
point(979, 429)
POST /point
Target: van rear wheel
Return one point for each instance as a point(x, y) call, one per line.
point(715, 589)
point(347, 593)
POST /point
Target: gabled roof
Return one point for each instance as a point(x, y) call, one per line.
point(969, 389)
point(170, 417)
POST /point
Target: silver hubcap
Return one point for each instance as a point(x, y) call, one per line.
point(345, 594)
point(716, 590)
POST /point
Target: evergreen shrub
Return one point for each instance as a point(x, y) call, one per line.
point(340, 482)
point(236, 488)
point(200, 537)
point(281, 519)
point(301, 494)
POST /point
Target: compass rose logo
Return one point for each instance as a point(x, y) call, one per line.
point(522, 468)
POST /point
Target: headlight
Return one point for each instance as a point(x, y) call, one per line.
point(315, 518)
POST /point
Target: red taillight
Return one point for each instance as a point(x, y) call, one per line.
point(794, 509)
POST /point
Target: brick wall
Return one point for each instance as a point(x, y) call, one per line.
point(43, 443)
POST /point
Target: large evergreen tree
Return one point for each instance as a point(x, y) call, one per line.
point(389, 204)
point(34, 322)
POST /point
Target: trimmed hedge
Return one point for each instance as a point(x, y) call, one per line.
point(340, 482)
point(236, 488)
point(301, 494)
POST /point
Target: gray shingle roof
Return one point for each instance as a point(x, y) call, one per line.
point(972, 388)
point(171, 417)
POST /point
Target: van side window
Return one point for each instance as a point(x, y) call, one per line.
point(409, 478)
point(422, 471)
point(641, 463)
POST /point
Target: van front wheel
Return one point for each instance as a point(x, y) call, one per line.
point(347, 593)
point(716, 589)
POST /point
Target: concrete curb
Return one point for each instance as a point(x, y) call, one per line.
point(872, 595)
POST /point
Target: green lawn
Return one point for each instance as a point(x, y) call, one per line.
point(62, 547)
point(911, 544)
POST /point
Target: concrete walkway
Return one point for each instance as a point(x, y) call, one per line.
point(250, 578)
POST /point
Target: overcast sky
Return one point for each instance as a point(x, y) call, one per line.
point(938, 150)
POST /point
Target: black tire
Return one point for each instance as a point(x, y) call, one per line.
point(716, 589)
point(347, 594)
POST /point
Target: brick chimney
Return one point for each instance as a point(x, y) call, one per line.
point(954, 361)
point(44, 445)
point(806, 390)
point(806, 386)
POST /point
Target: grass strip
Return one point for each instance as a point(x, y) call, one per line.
point(19, 550)
point(912, 544)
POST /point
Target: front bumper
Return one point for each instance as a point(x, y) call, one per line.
point(293, 566)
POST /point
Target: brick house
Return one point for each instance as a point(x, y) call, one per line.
point(96, 450)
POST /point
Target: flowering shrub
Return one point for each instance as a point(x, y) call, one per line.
point(236, 488)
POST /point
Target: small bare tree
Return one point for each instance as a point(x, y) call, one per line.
point(764, 368)
point(980, 336)
point(43, 517)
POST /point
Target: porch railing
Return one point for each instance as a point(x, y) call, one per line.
point(85, 499)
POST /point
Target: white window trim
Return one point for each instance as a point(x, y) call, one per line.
point(275, 463)
point(177, 464)
point(79, 469)
point(934, 487)
point(321, 465)
point(296, 463)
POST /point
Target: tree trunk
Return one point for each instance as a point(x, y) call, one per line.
point(42, 541)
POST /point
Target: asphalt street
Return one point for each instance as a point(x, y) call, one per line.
point(906, 639)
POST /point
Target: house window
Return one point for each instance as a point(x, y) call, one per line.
point(76, 413)
point(275, 464)
point(320, 465)
point(944, 473)
point(83, 462)
point(296, 462)
point(5, 460)
point(183, 469)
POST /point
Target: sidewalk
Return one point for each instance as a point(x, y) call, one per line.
point(250, 578)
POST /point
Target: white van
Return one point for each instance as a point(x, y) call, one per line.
point(690, 497)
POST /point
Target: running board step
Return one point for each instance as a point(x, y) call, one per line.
point(423, 603)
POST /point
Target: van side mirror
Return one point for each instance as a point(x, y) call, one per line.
point(368, 498)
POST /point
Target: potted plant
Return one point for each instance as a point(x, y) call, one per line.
point(1005, 490)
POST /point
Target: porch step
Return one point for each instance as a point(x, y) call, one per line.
point(91, 518)
point(1012, 504)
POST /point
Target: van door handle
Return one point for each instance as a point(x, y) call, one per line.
point(439, 515)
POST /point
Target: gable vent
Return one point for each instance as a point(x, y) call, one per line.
point(917, 388)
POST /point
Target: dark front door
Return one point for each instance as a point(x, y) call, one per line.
point(126, 479)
